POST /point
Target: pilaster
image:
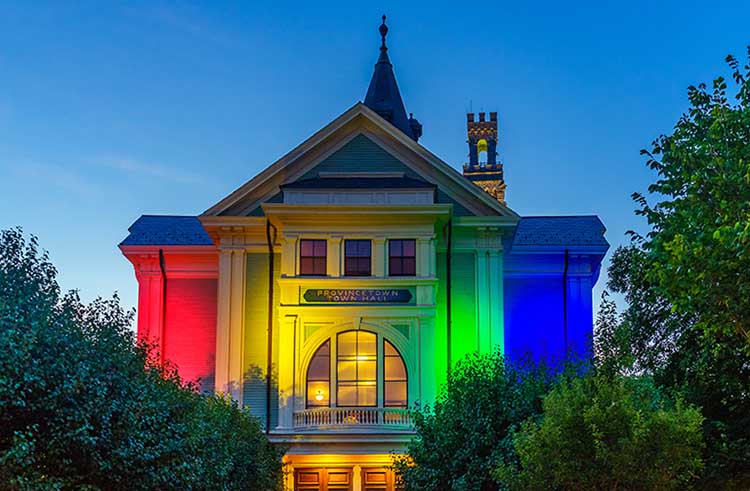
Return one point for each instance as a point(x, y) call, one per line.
point(378, 256)
point(230, 321)
point(289, 255)
point(150, 303)
point(426, 392)
point(424, 256)
point(287, 363)
point(333, 251)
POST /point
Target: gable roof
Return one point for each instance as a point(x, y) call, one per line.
point(166, 230)
point(559, 231)
point(359, 119)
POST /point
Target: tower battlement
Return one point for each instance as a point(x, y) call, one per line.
point(482, 137)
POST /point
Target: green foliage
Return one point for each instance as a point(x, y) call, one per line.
point(599, 433)
point(710, 372)
point(686, 283)
point(81, 407)
point(700, 231)
point(468, 432)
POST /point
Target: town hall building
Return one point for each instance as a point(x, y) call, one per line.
point(333, 291)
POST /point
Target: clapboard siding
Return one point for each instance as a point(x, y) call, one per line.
point(256, 336)
point(190, 334)
point(360, 155)
point(463, 305)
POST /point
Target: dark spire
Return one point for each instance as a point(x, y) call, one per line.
point(383, 95)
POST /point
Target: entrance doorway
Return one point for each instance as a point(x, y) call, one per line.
point(323, 479)
point(343, 478)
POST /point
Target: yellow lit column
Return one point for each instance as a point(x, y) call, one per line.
point(333, 253)
point(287, 390)
point(289, 256)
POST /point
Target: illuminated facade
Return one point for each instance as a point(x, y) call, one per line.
point(332, 291)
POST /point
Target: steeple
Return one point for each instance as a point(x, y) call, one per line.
point(383, 95)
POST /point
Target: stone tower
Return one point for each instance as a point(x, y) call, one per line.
point(482, 140)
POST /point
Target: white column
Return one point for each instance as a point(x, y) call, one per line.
point(483, 301)
point(230, 322)
point(497, 322)
point(423, 257)
point(221, 377)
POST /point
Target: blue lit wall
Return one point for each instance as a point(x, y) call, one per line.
point(535, 310)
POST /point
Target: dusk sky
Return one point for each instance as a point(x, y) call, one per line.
point(113, 110)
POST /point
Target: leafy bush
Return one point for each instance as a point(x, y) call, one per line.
point(468, 431)
point(599, 433)
point(82, 407)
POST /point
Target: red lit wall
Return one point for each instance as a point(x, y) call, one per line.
point(189, 339)
point(179, 321)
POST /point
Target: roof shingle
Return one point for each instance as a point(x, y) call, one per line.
point(560, 231)
point(167, 230)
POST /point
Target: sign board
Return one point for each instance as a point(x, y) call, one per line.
point(358, 295)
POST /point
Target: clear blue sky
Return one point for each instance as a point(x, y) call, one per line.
point(112, 110)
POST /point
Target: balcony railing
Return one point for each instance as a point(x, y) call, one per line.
point(395, 418)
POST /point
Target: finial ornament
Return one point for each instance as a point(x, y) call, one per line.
point(383, 32)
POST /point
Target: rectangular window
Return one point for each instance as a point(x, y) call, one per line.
point(357, 258)
point(402, 257)
point(312, 257)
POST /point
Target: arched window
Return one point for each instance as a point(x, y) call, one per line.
point(319, 377)
point(359, 373)
point(482, 148)
point(357, 369)
point(395, 377)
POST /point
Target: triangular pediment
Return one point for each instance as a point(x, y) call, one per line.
point(359, 142)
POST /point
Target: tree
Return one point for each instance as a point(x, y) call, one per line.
point(713, 373)
point(700, 231)
point(468, 431)
point(82, 407)
point(686, 281)
point(607, 433)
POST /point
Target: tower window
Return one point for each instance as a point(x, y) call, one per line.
point(357, 258)
point(482, 148)
point(312, 257)
point(402, 257)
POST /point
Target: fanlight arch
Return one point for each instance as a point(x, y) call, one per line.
point(351, 368)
